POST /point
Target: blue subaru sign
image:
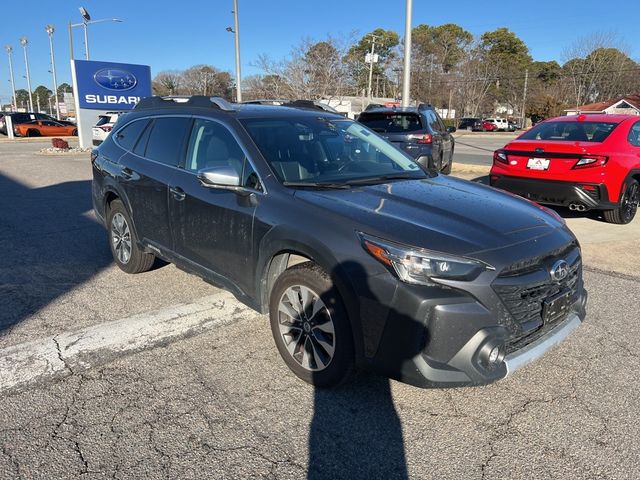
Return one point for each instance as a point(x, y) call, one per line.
point(111, 86)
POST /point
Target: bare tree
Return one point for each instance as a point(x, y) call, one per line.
point(167, 82)
point(313, 70)
point(598, 67)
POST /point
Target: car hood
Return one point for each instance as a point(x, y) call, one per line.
point(440, 213)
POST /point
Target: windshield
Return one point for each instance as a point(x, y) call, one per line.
point(570, 131)
point(391, 122)
point(320, 150)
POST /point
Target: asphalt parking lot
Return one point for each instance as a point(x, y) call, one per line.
point(161, 375)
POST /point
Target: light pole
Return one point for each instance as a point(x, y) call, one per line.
point(86, 21)
point(50, 29)
point(372, 59)
point(9, 50)
point(406, 81)
point(236, 31)
point(24, 41)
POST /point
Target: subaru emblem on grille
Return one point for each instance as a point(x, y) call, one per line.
point(559, 271)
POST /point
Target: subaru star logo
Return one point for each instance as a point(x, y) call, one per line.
point(559, 271)
point(115, 79)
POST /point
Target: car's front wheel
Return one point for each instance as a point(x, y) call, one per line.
point(310, 326)
point(123, 242)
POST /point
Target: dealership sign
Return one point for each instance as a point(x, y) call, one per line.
point(110, 86)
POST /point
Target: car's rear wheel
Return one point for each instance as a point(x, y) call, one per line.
point(123, 241)
point(74, 133)
point(628, 205)
point(310, 326)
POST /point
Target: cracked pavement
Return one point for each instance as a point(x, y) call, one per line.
point(222, 404)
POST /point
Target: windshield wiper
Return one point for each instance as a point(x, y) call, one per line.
point(382, 179)
point(318, 185)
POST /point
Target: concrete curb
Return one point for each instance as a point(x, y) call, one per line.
point(28, 363)
point(470, 168)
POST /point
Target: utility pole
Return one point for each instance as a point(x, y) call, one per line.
point(236, 26)
point(406, 81)
point(524, 98)
point(371, 59)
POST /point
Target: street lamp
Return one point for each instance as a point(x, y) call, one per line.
point(24, 41)
point(236, 30)
point(406, 80)
point(9, 50)
point(50, 29)
point(86, 21)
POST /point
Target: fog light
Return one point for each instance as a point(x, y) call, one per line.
point(494, 355)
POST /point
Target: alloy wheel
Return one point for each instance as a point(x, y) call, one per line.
point(121, 238)
point(306, 327)
point(630, 202)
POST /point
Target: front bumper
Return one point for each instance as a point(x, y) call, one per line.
point(438, 336)
point(553, 192)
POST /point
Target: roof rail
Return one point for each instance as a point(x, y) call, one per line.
point(186, 101)
point(310, 105)
point(424, 106)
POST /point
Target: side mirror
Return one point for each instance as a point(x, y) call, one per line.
point(223, 177)
point(451, 129)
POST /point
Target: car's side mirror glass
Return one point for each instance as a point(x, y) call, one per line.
point(451, 129)
point(224, 177)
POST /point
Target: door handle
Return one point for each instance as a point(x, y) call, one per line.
point(126, 173)
point(177, 193)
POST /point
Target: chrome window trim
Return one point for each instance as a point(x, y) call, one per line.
point(179, 168)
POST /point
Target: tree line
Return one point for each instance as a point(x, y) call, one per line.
point(451, 68)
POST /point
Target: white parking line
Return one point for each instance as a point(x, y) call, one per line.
point(30, 362)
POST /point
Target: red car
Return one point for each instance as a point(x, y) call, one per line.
point(489, 126)
point(581, 162)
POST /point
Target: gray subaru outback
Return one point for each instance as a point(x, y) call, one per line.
point(361, 257)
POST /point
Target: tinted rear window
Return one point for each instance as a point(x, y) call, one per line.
point(128, 135)
point(166, 140)
point(391, 122)
point(570, 131)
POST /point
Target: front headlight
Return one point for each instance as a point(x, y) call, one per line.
point(419, 266)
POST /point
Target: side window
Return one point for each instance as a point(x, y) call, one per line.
point(128, 135)
point(141, 144)
point(212, 145)
point(634, 135)
point(166, 139)
point(433, 121)
point(250, 177)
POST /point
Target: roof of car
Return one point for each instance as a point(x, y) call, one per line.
point(217, 106)
point(593, 117)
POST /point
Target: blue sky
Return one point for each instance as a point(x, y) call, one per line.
point(175, 35)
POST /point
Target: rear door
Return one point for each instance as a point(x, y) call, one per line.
point(145, 173)
point(214, 227)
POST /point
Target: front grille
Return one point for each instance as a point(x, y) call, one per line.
point(524, 299)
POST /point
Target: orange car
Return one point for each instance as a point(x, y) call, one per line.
point(44, 128)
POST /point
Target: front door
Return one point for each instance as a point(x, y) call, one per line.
point(214, 227)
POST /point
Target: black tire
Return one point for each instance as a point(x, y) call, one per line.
point(33, 133)
point(74, 133)
point(447, 169)
point(340, 366)
point(628, 205)
point(137, 261)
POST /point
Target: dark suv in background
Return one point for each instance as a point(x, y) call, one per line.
point(360, 257)
point(419, 131)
